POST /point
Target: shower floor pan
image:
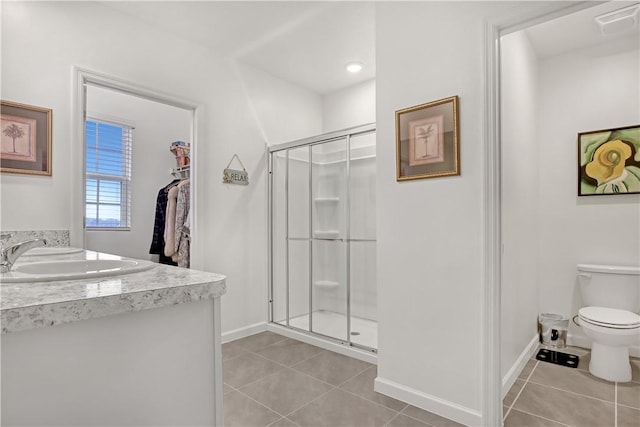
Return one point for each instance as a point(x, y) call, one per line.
point(364, 332)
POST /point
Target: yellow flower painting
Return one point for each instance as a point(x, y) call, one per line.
point(609, 161)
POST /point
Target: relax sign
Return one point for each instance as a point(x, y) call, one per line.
point(233, 176)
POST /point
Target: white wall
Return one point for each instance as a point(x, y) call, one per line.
point(430, 231)
point(590, 89)
point(520, 177)
point(156, 126)
point(281, 112)
point(284, 111)
point(231, 221)
point(430, 246)
point(349, 107)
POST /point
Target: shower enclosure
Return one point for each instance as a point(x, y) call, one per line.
point(323, 236)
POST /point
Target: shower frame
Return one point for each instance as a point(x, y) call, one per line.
point(345, 134)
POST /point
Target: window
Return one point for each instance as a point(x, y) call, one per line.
point(107, 175)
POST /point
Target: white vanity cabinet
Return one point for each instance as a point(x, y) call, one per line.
point(140, 349)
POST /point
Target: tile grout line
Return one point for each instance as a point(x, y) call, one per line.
point(394, 417)
point(295, 370)
point(280, 370)
point(615, 404)
point(627, 406)
point(574, 393)
point(283, 366)
point(236, 341)
point(369, 400)
point(263, 405)
point(400, 412)
point(520, 392)
point(283, 418)
point(374, 402)
point(415, 419)
point(544, 418)
point(311, 401)
point(410, 417)
point(325, 393)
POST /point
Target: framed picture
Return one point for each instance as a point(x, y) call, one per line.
point(427, 140)
point(25, 139)
point(609, 161)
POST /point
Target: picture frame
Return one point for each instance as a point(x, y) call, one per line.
point(25, 139)
point(427, 140)
point(609, 161)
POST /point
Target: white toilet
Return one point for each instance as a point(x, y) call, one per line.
point(611, 296)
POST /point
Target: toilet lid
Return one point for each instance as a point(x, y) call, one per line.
point(610, 317)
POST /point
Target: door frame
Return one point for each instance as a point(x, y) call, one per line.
point(492, 381)
point(83, 77)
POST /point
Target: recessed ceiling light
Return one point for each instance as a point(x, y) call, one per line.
point(354, 67)
point(618, 20)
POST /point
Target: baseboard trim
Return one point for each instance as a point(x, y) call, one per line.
point(246, 331)
point(444, 408)
point(512, 375)
point(327, 344)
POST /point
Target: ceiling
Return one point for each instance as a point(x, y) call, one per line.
point(577, 30)
point(310, 42)
point(304, 42)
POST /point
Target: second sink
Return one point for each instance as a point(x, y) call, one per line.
point(73, 269)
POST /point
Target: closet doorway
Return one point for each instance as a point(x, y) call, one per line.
point(125, 135)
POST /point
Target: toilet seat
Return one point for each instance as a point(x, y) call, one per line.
point(610, 317)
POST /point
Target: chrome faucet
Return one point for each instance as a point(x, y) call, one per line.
point(9, 255)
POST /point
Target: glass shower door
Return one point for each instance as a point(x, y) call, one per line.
point(298, 237)
point(322, 237)
point(290, 238)
point(329, 244)
point(362, 240)
point(278, 239)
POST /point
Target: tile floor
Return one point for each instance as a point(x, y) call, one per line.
point(551, 395)
point(271, 380)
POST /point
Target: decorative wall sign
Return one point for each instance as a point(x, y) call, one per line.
point(25, 139)
point(427, 143)
point(609, 161)
point(235, 176)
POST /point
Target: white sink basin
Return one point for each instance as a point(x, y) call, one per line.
point(52, 250)
point(73, 269)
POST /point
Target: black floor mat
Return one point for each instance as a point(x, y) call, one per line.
point(558, 358)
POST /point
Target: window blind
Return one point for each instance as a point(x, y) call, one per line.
point(107, 174)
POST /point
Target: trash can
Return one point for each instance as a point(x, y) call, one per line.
point(552, 329)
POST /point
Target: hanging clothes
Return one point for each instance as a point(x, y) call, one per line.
point(170, 221)
point(183, 224)
point(157, 241)
point(177, 227)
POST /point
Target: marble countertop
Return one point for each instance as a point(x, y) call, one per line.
point(28, 305)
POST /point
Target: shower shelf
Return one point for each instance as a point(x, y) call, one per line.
point(326, 199)
point(326, 234)
point(327, 284)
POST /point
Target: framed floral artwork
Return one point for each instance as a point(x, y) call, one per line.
point(609, 161)
point(427, 143)
point(25, 139)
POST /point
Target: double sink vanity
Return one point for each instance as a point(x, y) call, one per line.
point(96, 339)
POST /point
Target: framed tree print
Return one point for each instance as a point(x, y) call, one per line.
point(427, 140)
point(25, 139)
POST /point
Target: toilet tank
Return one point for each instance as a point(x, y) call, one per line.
point(610, 286)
